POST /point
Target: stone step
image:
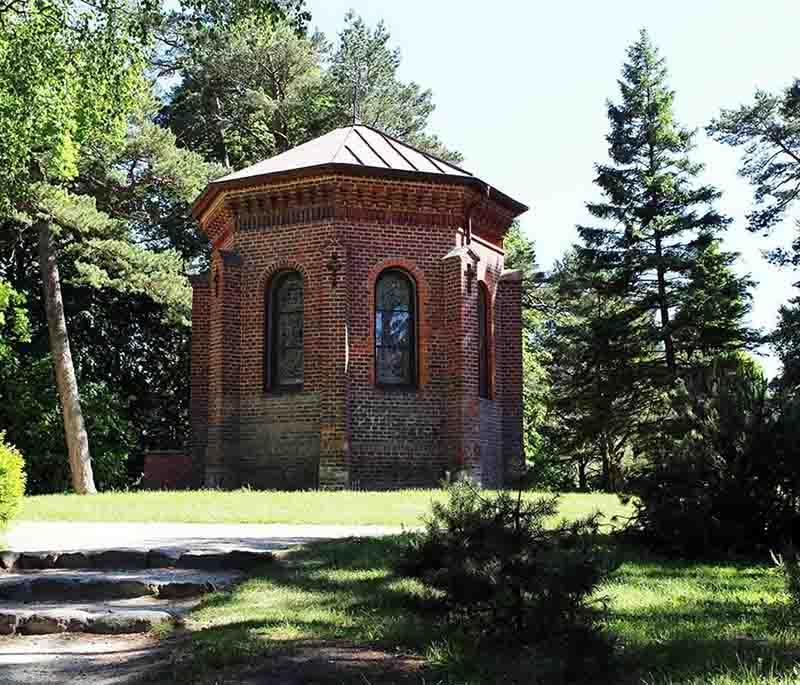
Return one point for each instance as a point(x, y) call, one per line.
point(68, 619)
point(160, 557)
point(86, 585)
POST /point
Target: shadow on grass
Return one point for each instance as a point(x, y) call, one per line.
point(335, 612)
point(703, 622)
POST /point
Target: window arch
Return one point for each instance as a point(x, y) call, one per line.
point(284, 331)
point(484, 310)
point(395, 329)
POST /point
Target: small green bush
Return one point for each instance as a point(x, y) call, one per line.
point(12, 480)
point(505, 571)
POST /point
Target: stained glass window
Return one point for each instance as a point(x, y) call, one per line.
point(286, 330)
point(395, 358)
point(483, 341)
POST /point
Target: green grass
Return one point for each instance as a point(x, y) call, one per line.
point(400, 508)
point(677, 623)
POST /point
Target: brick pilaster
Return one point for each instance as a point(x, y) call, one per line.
point(222, 454)
point(334, 461)
point(508, 348)
point(201, 301)
point(460, 295)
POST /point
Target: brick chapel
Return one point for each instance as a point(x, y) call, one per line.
point(357, 328)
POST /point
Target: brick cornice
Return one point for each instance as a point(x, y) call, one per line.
point(363, 201)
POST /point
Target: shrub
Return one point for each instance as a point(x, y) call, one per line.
point(12, 480)
point(722, 474)
point(503, 572)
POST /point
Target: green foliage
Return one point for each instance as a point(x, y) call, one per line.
point(31, 415)
point(253, 88)
point(503, 572)
point(721, 473)
point(12, 480)
point(660, 242)
point(363, 74)
point(596, 402)
point(248, 92)
point(786, 342)
point(768, 130)
point(68, 73)
point(520, 254)
point(14, 324)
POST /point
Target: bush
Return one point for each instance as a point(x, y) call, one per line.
point(35, 424)
point(722, 475)
point(502, 572)
point(12, 481)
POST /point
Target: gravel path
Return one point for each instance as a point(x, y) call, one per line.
point(30, 536)
point(80, 659)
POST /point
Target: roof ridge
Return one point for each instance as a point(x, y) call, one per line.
point(342, 144)
point(428, 155)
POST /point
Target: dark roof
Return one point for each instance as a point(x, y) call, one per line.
point(359, 149)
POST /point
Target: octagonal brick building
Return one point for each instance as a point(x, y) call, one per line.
point(356, 328)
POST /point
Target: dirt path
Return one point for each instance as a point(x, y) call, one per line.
point(81, 659)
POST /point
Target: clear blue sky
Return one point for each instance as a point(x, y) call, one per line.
point(520, 89)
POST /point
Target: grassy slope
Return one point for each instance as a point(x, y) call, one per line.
point(403, 507)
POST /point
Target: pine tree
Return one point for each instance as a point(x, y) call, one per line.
point(595, 400)
point(366, 88)
point(659, 240)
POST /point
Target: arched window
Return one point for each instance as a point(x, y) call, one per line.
point(483, 341)
point(395, 344)
point(284, 318)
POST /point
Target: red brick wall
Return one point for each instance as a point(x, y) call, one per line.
point(341, 430)
point(168, 470)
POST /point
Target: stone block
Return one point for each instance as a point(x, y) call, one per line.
point(120, 559)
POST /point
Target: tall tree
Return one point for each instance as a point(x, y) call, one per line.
point(597, 400)
point(768, 130)
point(248, 91)
point(661, 224)
point(68, 75)
point(367, 89)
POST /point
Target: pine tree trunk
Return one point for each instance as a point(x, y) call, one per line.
point(582, 484)
point(606, 475)
point(663, 307)
point(80, 462)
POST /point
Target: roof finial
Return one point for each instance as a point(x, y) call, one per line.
point(355, 102)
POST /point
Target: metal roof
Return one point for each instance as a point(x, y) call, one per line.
point(357, 149)
point(359, 145)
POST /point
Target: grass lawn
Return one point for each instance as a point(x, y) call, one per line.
point(400, 508)
point(677, 623)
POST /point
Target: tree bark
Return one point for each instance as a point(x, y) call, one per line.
point(606, 473)
point(663, 306)
point(80, 462)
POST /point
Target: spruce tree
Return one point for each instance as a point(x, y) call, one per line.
point(659, 238)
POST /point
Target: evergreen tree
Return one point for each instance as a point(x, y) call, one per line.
point(248, 91)
point(366, 88)
point(659, 243)
point(768, 131)
point(68, 75)
point(596, 400)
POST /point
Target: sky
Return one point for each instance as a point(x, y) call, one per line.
point(520, 89)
